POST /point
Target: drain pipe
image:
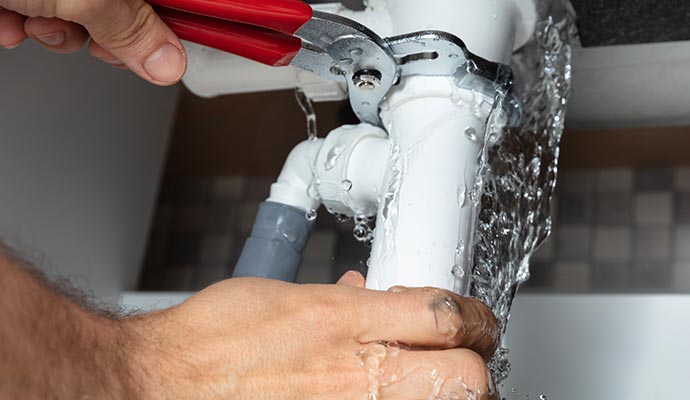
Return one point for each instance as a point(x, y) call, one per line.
point(281, 229)
point(426, 222)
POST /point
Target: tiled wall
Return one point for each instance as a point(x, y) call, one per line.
point(618, 230)
point(201, 224)
point(615, 230)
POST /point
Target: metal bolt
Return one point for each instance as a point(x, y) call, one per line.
point(367, 79)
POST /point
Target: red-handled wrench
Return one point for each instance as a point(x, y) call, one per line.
point(289, 32)
point(259, 30)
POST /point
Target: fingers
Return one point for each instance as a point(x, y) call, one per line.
point(456, 374)
point(11, 29)
point(352, 278)
point(427, 317)
point(104, 55)
point(130, 31)
point(56, 35)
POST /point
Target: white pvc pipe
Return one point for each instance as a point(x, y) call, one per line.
point(349, 169)
point(343, 171)
point(426, 217)
point(488, 28)
point(293, 183)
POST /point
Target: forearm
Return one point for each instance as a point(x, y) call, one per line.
point(52, 348)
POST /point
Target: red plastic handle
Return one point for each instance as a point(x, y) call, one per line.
point(285, 16)
point(259, 44)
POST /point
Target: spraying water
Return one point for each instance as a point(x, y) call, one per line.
point(519, 176)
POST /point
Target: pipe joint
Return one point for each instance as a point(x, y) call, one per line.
point(292, 186)
point(349, 169)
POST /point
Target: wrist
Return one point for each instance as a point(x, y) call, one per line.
point(154, 364)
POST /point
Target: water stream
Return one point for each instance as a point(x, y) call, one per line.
point(519, 176)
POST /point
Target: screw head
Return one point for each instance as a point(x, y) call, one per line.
point(367, 79)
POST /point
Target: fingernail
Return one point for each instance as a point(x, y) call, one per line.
point(52, 39)
point(113, 61)
point(446, 311)
point(166, 64)
point(13, 45)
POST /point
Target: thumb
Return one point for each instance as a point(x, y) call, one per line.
point(132, 32)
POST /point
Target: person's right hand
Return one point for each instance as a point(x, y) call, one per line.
point(124, 33)
point(270, 340)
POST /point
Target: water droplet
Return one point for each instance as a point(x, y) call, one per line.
point(462, 196)
point(336, 70)
point(360, 232)
point(333, 155)
point(347, 185)
point(356, 52)
point(471, 67)
point(514, 390)
point(311, 215)
point(289, 236)
point(460, 248)
point(471, 133)
point(458, 272)
point(542, 397)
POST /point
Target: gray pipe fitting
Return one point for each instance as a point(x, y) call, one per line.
point(274, 249)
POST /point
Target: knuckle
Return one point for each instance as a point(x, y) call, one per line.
point(78, 11)
point(133, 33)
point(39, 8)
point(333, 377)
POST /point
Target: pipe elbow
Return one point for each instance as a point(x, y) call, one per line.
point(292, 186)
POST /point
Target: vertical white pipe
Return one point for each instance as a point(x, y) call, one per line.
point(425, 213)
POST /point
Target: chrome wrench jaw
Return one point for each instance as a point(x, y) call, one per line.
point(369, 71)
point(436, 53)
point(351, 54)
point(343, 50)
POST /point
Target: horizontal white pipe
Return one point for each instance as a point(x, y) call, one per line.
point(343, 171)
point(349, 169)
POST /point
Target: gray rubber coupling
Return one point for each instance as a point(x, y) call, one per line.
point(274, 249)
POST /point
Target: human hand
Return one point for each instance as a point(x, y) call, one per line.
point(124, 33)
point(262, 339)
